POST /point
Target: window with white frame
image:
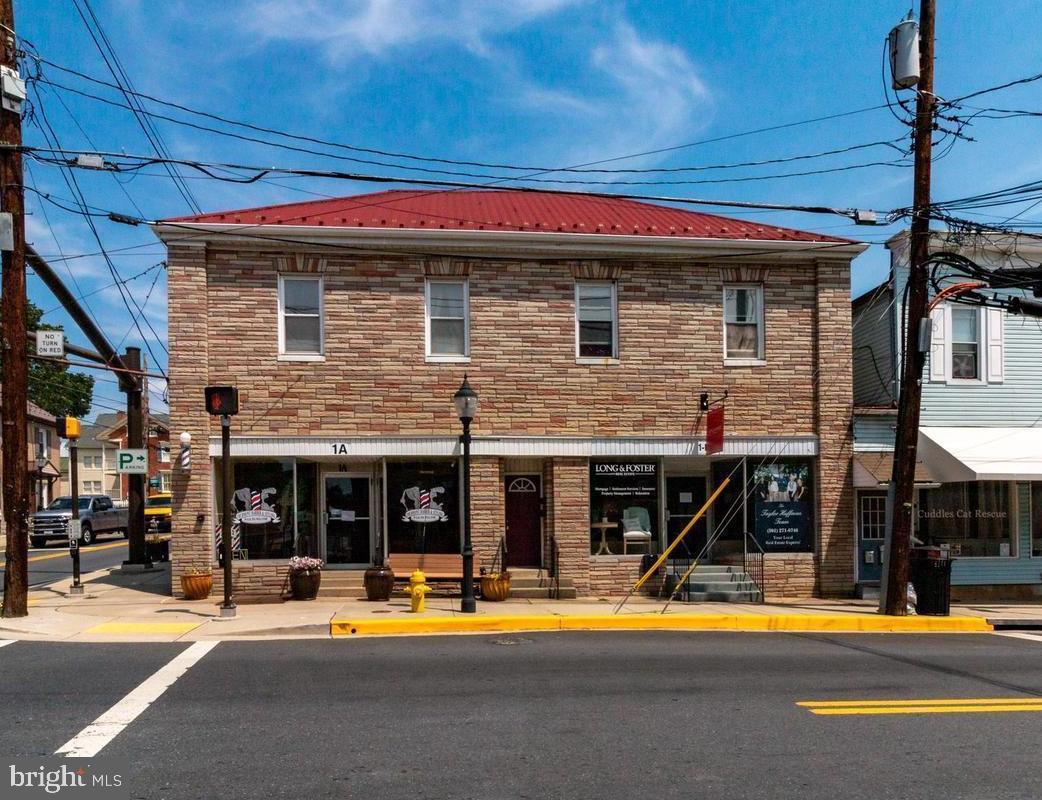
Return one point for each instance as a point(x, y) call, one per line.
point(873, 516)
point(300, 316)
point(163, 452)
point(596, 320)
point(965, 343)
point(92, 487)
point(448, 319)
point(743, 323)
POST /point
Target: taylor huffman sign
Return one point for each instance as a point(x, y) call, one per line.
point(421, 505)
point(783, 507)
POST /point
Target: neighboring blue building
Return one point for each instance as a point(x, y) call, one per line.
point(980, 436)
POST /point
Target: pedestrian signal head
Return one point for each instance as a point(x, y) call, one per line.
point(68, 427)
point(222, 401)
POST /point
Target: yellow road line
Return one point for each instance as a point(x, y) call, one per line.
point(875, 711)
point(83, 551)
point(954, 701)
point(134, 628)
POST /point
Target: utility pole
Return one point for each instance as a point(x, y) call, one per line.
point(902, 508)
point(138, 553)
point(15, 464)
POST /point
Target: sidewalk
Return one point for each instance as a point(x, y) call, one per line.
point(121, 607)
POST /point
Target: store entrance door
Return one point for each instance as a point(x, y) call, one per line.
point(523, 521)
point(346, 530)
point(685, 494)
point(871, 532)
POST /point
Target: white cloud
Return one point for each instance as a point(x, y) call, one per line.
point(344, 30)
point(649, 95)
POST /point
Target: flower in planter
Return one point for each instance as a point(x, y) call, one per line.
point(196, 571)
point(305, 564)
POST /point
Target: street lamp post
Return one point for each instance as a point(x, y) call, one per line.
point(466, 400)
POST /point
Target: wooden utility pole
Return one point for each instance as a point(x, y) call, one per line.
point(15, 462)
point(136, 439)
point(894, 600)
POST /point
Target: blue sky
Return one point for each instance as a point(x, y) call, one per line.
point(545, 82)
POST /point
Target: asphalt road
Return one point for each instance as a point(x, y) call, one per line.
point(567, 715)
point(53, 563)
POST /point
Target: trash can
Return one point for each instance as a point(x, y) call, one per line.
point(930, 570)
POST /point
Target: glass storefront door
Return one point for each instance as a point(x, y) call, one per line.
point(347, 533)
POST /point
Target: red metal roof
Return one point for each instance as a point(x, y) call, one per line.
point(506, 210)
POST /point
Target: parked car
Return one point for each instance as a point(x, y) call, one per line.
point(158, 512)
point(97, 516)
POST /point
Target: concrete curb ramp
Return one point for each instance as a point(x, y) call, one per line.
point(807, 623)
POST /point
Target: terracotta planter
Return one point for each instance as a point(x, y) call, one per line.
point(304, 585)
point(495, 587)
point(196, 587)
point(379, 582)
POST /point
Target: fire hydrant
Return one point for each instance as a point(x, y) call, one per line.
point(417, 590)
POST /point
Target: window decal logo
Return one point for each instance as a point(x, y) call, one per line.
point(421, 505)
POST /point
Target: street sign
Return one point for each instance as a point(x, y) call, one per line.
point(133, 461)
point(50, 344)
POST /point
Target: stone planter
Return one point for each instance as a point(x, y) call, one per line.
point(196, 587)
point(304, 585)
point(379, 582)
point(495, 586)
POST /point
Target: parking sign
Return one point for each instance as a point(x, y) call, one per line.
point(133, 461)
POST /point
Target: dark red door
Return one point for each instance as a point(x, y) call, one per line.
point(524, 523)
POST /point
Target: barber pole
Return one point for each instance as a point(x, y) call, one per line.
point(186, 459)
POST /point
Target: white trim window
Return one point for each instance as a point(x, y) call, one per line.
point(743, 324)
point(301, 318)
point(596, 321)
point(447, 319)
point(966, 355)
point(967, 345)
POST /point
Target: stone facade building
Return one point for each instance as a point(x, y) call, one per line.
point(591, 328)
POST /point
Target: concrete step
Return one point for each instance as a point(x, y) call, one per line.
point(566, 593)
point(724, 597)
point(715, 587)
point(326, 592)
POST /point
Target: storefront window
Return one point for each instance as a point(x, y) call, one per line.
point(972, 519)
point(783, 506)
point(1036, 519)
point(423, 507)
point(307, 504)
point(263, 508)
point(624, 507)
point(727, 512)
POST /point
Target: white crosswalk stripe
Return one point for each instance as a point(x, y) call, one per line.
point(1026, 635)
point(90, 741)
point(5, 642)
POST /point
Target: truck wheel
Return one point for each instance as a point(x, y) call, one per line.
point(86, 535)
point(38, 541)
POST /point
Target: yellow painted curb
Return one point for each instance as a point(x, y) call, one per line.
point(139, 628)
point(806, 623)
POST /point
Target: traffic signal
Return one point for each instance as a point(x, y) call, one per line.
point(222, 400)
point(68, 427)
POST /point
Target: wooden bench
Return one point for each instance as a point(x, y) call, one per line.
point(434, 566)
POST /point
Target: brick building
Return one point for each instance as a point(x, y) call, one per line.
point(589, 327)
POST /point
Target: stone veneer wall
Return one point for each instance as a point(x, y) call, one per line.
point(522, 312)
point(488, 523)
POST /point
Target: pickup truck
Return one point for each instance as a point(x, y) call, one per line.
point(97, 516)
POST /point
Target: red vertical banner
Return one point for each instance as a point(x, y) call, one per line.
point(715, 430)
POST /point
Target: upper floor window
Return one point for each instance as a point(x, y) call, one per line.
point(965, 343)
point(743, 323)
point(596, 320)
point(300, 317)
point(163, 451)
point(447, 319)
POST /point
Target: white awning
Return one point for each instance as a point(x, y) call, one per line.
point(982, 454)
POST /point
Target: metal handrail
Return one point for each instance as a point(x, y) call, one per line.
point(554, 571)
point(760, 557)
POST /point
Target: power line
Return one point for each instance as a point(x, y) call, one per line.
point(124, 84)
point(459, 162)
point(34, 152)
